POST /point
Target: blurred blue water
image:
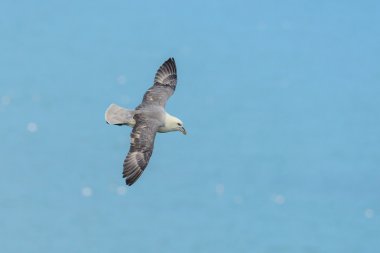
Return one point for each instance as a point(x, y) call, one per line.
point(280, 99)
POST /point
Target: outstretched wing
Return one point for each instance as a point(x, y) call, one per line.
point(142, 142)
point(164, 86)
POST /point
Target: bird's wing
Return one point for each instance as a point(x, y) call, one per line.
point(142, 142)
point(164, 86)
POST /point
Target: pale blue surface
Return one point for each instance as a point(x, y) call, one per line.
point(280, 99)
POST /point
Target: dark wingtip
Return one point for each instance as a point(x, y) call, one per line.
point(166, 72)
point(131, 180)
point(128, 182)
point(170, 62)
point(131, 175)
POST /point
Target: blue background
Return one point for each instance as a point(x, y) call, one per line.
point(280, 100)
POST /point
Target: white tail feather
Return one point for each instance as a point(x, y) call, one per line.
point(117, 115)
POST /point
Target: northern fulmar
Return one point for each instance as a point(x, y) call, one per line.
point(147, 119)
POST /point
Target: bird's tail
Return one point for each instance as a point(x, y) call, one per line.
point(117, 115)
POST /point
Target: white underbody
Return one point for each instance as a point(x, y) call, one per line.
point(163, 129)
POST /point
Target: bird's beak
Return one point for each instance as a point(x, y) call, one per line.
point(183, 130)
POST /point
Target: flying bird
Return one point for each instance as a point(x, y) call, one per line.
point(146, 120)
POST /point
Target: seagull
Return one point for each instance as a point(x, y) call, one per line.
point(146, 120)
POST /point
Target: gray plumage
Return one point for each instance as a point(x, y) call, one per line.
point(149, 117)
point(142, 143)
point(164, 85)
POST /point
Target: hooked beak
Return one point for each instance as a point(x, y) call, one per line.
point(183, 130)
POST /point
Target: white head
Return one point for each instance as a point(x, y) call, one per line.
point(174, 124)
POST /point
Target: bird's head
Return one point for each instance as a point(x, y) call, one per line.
point(175, 124)
point(180, 127)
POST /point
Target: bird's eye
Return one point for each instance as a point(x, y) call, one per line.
point(179, 124)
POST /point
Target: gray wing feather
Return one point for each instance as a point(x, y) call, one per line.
point(142, 142)
point(164, 86)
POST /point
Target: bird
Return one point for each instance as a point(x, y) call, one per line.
point(147, 119)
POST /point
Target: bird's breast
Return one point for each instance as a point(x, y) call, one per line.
point(164, 129)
